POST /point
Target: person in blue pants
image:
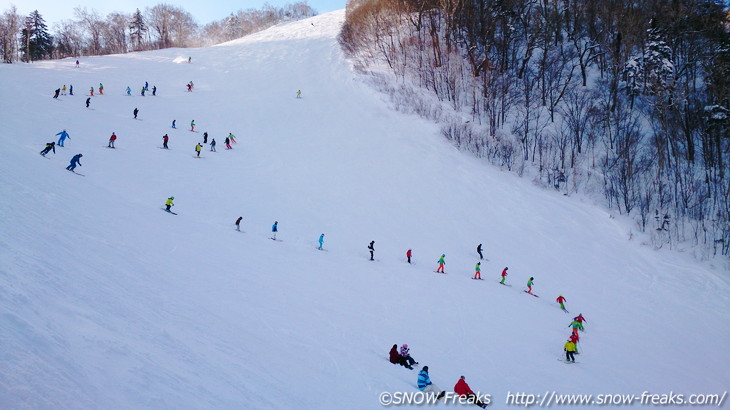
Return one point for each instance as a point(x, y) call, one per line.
point(63, 135)
point(74, 161)
point(321, 240)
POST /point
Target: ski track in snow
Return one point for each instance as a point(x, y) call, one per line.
point(107, 303)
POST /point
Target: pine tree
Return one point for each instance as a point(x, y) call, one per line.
point(137, 29)
point(37, 43)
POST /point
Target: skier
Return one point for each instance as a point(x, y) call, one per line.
point(228, 143)
point(479, 251)
point(396, 358)
point(212, 145)
point(190, 88)
point(408, 255)
point(205, 137)
point(142, 92)
point(238, 223)
point(569, 349)
point(88, 101)
point(190, 60)
point(154, 90)
point(504, 275)
point(580, 318)
point(63, 135)
point(50, 146)
point(169, 203)
point(576, 325)
point(405, 353)
point(478, 271)
point(425, 384)
point(101, 89)
point(232, 137)
point(529, 285)
point(191, 84)
point(146, 86)
point(55, 94)
point(74, 161)
point(463, 390)
point(441, 263)
point(71, 89)
point(63, 90)
point(192, 125)
point(111, 140)
point(173, 124)
point(135, 112)
point(198, 148)
point(165, 138)
point(299, 93)
point(129, 91)
point(274, 229)
point(562, 301)
point(575, 339)
point(321, 240)
point(371, 247)
point(77, 63)
point(91, 90)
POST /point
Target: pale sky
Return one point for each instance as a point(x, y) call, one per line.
point(204, 12)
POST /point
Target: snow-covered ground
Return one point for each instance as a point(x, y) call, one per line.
point(108, 302)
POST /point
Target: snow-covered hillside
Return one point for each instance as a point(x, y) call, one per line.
point(108, 302)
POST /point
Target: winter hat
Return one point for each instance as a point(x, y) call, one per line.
point(425, 368)
point(405, 346)
point(462, 377)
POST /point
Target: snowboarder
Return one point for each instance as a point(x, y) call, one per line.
point(425, 384)
point(129, 91)
point(63, 90)
point(165, 138)
point(371, 247)
point(408, 255)
point(321, 240)
point(274, 229)
point(405, 353)
point(142, 92)
point(190, 88)
point(212, 145)
point(198, 148)
point(111, 140)
point(63, 135)
point(74, 161)
point(441, 263)
point(192, 125)
point(238, 223)
point(88, 101)
point(135, 112)
point(299, 93)
point(562, 301)
point(228, 143)
point(71, 90)
point(232, 137)
point(154, 90)
point(504, 275)
point(569, 349)
point(529, 285)
point(101, 89)
point(478, 271)
point(55, 94)
point(169, 203)
point(463, 390)
point(91, 91)
point(479, 251)
point(205, 137)
point(396, 358)
point(50, 146)
point(576, 325)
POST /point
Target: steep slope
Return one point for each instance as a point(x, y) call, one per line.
point(110, 303)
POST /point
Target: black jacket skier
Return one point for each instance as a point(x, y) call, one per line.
point(49, 146)
point(371, 247)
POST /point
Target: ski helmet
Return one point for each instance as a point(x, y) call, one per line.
point(405, 346)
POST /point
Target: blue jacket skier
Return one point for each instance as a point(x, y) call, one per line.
point(74, 161)
point(321, 240)
point(274, 229)
point(63, 135)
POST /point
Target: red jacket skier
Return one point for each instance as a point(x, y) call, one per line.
point(580, 319)
point(562, 301)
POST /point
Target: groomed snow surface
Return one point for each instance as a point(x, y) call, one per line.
point(110, 303)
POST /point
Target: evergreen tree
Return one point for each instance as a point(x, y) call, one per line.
point(137, 29)
point(37, 43)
